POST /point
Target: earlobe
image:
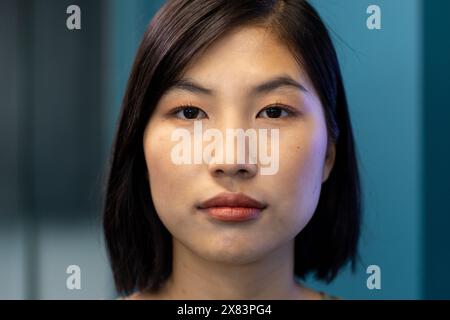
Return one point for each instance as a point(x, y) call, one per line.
point(329, 161)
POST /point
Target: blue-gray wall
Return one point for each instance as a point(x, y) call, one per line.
point(125, 24)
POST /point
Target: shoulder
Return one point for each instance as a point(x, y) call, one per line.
point(142, 296)
point(326, 296)
point(310, 294)
point(134, 296)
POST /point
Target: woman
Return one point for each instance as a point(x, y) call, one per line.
point(214, 229)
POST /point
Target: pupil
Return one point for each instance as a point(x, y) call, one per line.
point(190, 113)
point(273, 112)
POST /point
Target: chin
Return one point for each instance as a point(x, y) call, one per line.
point(237, 258)
point(234, 253)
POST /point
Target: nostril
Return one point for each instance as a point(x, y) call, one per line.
point(242, 171)
point(239, 170)
point(219, 171)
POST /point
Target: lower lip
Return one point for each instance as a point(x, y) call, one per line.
point(233, 214)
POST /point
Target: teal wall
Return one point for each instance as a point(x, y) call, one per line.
point(382, 73)
point(437, 149)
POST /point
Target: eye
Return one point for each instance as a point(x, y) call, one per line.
point(275, 111)
point(188, 112)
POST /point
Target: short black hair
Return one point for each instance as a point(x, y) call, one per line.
point(138, 244)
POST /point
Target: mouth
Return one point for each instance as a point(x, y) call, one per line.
point(232, 207)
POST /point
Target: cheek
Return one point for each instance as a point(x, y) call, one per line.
point(157, 157)
point(166, 178)
point(302, 156)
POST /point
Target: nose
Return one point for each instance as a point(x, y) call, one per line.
point(236, 156)
point(227, 162)
point(236, 170)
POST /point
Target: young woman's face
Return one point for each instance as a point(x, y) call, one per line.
point(231, 70)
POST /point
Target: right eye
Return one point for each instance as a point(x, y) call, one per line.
point(188, 113)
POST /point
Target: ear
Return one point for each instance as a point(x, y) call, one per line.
point(329, 161)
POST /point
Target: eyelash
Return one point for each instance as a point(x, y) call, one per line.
point(290, 111)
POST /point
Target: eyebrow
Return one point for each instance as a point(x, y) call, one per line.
point(190, 85)
point(265, 87)
point(276, 83)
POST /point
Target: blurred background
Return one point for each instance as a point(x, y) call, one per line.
point(60, 94)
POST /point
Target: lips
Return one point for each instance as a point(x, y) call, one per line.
point(232, 207)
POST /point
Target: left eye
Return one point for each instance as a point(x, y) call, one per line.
point(274, 112)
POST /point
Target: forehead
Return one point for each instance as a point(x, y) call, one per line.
point(243, 57)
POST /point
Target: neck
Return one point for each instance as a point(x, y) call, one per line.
point(196, 278)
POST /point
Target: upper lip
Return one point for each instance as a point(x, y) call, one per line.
point(226, 199)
